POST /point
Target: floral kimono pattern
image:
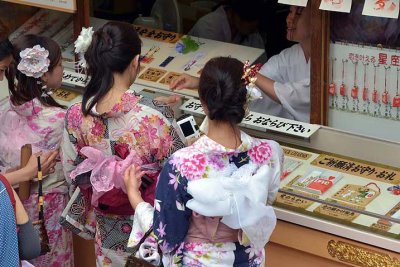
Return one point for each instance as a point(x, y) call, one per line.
point(134, 125)
point(207, 161)
point(41, 126)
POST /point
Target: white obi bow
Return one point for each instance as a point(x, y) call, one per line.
point(240, 199)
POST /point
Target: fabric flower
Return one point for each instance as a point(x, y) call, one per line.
point(260, 153)
point(84, 40)
point(34, 61)
point(82, 44)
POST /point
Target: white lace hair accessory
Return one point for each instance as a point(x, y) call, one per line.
point(34, 61)
point(82, 43)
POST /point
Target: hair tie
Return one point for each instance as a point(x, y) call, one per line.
point(249, 78)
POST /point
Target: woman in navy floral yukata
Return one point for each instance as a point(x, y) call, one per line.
point(212, 204)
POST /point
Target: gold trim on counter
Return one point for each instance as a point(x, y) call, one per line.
point(360, 256)
point(385, 175)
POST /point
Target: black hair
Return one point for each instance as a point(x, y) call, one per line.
point(247, 10)
point(28, 88)
point(222, 89)
point(113, 48)
point(6, 48)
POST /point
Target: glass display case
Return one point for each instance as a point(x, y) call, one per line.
point(341, 185)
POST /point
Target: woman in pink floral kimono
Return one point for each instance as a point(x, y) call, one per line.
point(112, 128)
point(32, 116)
point(212, 205)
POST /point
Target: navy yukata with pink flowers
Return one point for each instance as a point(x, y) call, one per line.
point(172, 218)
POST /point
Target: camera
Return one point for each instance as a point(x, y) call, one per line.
point(188, 126)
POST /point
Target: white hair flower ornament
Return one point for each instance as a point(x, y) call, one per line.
point(82, 43)
point(249, 78)
point(34, 61)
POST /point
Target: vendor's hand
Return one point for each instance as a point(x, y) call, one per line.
point(184, 81)
point(169, 100)
point(47, 162)
point(133, 179)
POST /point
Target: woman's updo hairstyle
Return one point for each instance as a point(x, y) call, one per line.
point(222, 89)
point(112, 49)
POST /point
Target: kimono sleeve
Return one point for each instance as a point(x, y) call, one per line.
point(295, 98)
point(142, 221)
point(171, 216)
point(69, 147)
point(168, 137)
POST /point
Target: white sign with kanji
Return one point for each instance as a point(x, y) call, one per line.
point(72, 78)
point(261, 122)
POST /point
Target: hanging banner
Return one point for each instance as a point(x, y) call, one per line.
point(336, 5)
point(381, 8)
point(294, 2)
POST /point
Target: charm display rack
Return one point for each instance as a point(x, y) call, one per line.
point(383, 101)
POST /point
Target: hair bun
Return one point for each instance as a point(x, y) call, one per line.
point(222, 90)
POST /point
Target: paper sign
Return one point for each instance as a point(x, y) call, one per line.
point(385, 175)
point(261, 122)
point(296, 153)
point(72, 78)
point(336, 5)
point(381, 8)
point(157, 34)
point(294, 2)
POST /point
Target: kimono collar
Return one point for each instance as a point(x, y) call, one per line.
point(128, 101)
point(205, 144)
point(30, 108)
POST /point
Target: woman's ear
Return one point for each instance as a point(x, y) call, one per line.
point(45, 78)
point(205, 108)
point(135, 66)
point(135, 62)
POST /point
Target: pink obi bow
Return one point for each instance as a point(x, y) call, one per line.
point(107, 171)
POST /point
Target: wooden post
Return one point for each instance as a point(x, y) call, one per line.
point(24, 187)
point(319, 64)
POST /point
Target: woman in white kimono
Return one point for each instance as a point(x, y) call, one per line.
point(212, 204)
point(285, 78)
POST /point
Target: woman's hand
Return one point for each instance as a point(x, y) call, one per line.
point(47, 162)
point(169, 100)
point(184, 81)
point(133, 179)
